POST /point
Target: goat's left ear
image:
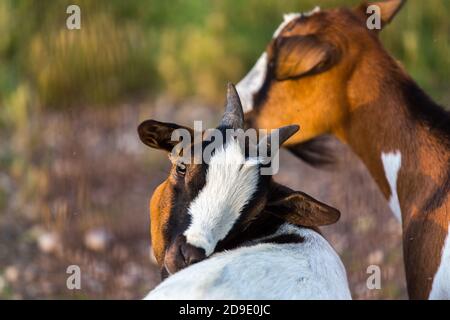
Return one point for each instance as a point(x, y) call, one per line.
point(300, 209)
point(158, 135)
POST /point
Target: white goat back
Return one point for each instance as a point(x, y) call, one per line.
point(306, 270)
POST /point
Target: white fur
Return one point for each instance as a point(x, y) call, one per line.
point(311, 12)
point(392, 161)
point(287, 17)
point(230, 184)
point(307, 270)
point(252, 83)
point(441, 283)
point(254, 79)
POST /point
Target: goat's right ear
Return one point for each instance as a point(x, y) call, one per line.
point(158, 135)
point(299, 208)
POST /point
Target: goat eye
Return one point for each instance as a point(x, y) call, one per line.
point(181, 169)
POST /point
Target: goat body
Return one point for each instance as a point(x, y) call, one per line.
point(263, 269)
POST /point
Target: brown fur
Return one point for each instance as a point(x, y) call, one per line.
point(159, 215)
point(364, 98)
point(270, 206)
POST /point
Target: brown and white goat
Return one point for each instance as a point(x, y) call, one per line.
point(264, 234)
point(329, 73)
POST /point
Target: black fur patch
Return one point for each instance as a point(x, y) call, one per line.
point(424, 110)
point(439, 196)
point(315, 152)
point(285, 238)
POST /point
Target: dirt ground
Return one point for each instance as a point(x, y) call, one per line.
point(88, 206)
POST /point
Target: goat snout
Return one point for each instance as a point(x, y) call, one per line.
point(182, 254)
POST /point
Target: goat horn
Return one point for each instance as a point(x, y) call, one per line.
point(284, 133)
point(234, 115)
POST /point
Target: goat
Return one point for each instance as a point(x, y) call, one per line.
point(329, 73)
point(260, 238)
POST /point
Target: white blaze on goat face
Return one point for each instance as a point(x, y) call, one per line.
point(254, 80)
point(231, 181)
point(392, 161)
point(440, 289)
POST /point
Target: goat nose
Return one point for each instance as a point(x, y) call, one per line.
point(192, 254)
point(182, 254)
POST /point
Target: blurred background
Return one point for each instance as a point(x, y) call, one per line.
point(74, 178)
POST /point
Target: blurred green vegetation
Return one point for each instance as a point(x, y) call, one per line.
point(183, 48)
point(133, 49)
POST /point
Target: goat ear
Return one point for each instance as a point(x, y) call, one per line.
point(300, 209)
point(158, 135)
point(303, 55)
point(387, 9)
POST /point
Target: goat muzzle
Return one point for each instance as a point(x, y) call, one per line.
point(182, 254)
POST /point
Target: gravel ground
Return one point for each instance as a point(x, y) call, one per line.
point(88, 207)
